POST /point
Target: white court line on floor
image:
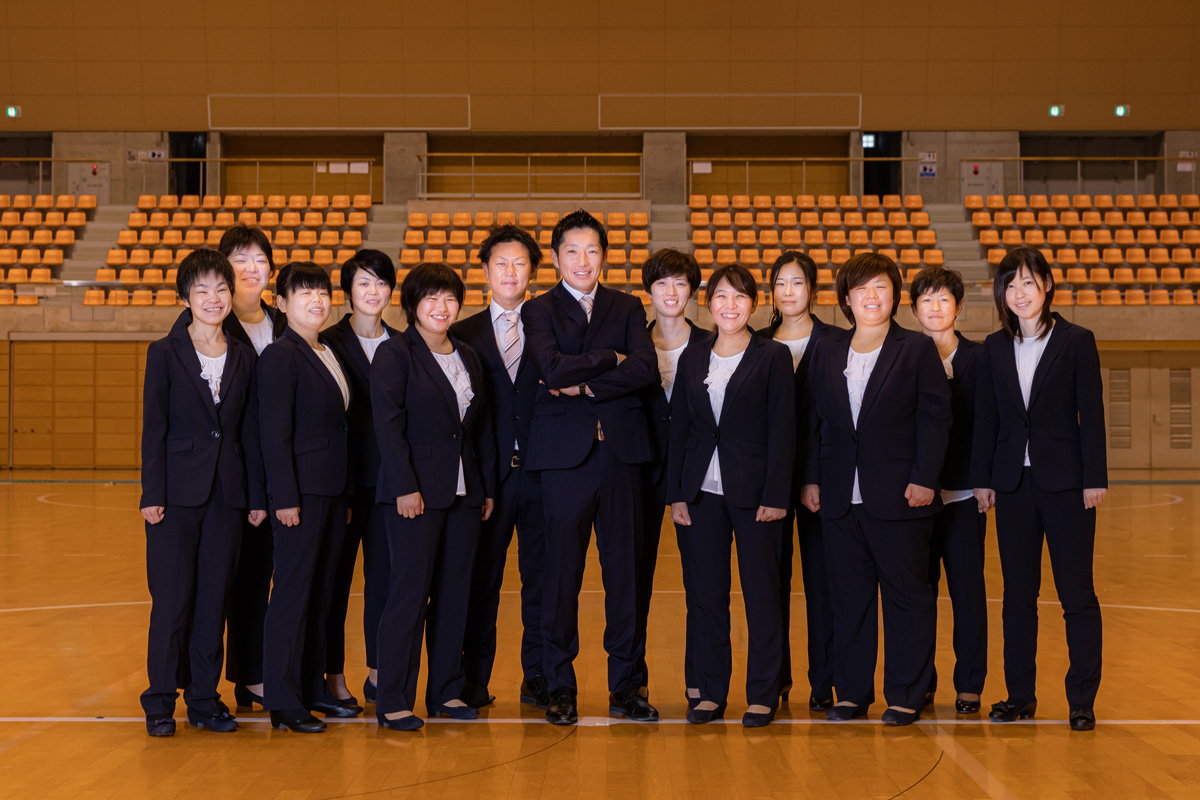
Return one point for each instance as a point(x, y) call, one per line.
point(976, 771)
point(604, 722)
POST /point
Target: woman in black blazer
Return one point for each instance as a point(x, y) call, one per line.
point(256, 325)
point(437, 482)
point(198, 480)
point(730, 474)
point(958, 529)
point(367, 280)
point(303, 397)
point(671, 278)
point(1039, 457)
point(877, 419)
point(793, 280)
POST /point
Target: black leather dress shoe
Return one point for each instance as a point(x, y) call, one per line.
point(701, 716)
point(1082, 719)
point(897, 718)
point(160, 725)
point(476, 696)
point(409, 723)
point(298, 720)
point(454, 712)
point(561, 709)
point(1009, 712)
point(535, 692)
point(219, 721)
point(630, 704)
point(332, 707)
point(752, 719)
point(369, 690)
point(816, 704)
point(845, 713)
point(966, 706)
point(246, 698)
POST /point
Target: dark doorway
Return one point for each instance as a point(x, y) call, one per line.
point(881, 177)
point(187, 177)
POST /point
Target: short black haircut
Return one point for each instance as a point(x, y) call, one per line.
point(302, 275)
point(862, 268)
point(739, 278)
point(510, 233)
point(807, 266)
point(668, 263)
point(577, 219)
point(1022, 258)
point(424, 280)
point(243, 237)
point(934, 279)
point(375, 262)
point(201, 263)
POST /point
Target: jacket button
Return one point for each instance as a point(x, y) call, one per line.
point(215, 434)
point(853, 439)
point(454, 436)
point(1024, 423)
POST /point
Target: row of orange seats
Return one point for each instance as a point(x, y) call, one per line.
point(165, 257)
point(1081, 237)
point(30, 257)
point(1081, 202)
point(9, 297)
point(815, 237)
point(750, 257)
point(809, 219)
point(409, 257)
point(149, 237)
point(24, 274)
point(530, 220)
point(63, 237)
point(1126, 276)
point(1179, 218)
point(254, 202)
point(1127, 297)
point(806, 202)
point(267, 219)
point(1090, 256)
point(46, 202)
point(458, 237)
point(40, 219)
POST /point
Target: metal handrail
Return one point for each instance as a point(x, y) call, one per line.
point(1079, 162)
point(803, 161)
point(471, 171)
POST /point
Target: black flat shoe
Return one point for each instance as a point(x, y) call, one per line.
point(369, 690)
point(246, 698)
point(966, 706)
point(454, 712)
point(220, 721)
point(298, 720)
point(1082, 719)
point(476, 696)
point(752, 719)
point(819, 705)
point(561, 709)
point(785, 692)
point(535, 692)
point(845, 713)
point(630, 704)
point(927, 700)
point(700, 716)
point(334, 708)
point(897, 718)
point(1010, 712)
point(160, 726)
point(409, 723)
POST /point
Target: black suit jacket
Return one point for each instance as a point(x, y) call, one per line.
point(302, 421)
point(364, 449)
point(755, 438)
point(658, 410)
point(416, 421)
point(902, 432)
point(819, 331)
point(1063, 426)
point(234, 330)
point(187, 440)
point(956, 472)
point(510, 403)
point(568, 350)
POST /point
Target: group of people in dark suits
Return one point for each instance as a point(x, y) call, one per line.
point(274, 448)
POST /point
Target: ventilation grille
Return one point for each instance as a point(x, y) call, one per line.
point(1181, 409)
point(1120, 409)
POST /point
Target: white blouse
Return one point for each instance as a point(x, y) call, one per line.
point(460, 380)
point(261, 333)
point(797, 346)
point(668, 365)
point(720, 370)
point(211, 370)
point(1028, 352)
point(335, 369)
point(369, 346)
point(859, 367)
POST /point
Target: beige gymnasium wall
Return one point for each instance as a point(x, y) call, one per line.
point(542, 65)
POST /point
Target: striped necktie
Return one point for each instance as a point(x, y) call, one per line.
point(511, 345)
point(586, 301)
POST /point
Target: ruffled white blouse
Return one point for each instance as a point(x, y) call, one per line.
point(720, 370)
point(460, 380)
point(211, 370)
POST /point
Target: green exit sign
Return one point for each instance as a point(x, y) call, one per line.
point(12, 112)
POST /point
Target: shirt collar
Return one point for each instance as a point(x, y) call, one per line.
point(497, 310)
point(578, 295)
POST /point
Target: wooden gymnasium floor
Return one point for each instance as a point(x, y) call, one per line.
point(73, 611)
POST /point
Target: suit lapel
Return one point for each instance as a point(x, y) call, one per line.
point(314, 361)
point(1045, 364)
point(350, 344)
point(425, 358)
point(704, 359)
point(839, 352)
point(745, 367)
point(887, 358)
point(185, 351)
point(600, 309)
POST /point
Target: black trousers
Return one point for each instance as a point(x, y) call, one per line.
point(248, 604)
point(428, 593)
point(519, 505)
point(653, 507)
point(871, 559)
point(191, 557)
point(366, 527)
point(818, 607)
point(607, 492)
point(704, 550)
point(1023, 517)
point(958, 534)
point(294, 647)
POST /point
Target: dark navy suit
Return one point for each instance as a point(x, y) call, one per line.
point(197, 465)
point(588, 449)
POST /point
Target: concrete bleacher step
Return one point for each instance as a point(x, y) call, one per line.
point(956, 240)
point(669, 227)
point(97, 238)
point(385, 231)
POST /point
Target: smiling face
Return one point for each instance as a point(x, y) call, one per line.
point(936, 310)
point(791, 291)
point(1025, 296)
point(579, 258)
point(306, 309)
point(871, 302)
point(670, 295)
point(730, 307)
point(251, 271)
point(437, 311)
point(369, 294)
point(508, 271)
point(209, 299)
